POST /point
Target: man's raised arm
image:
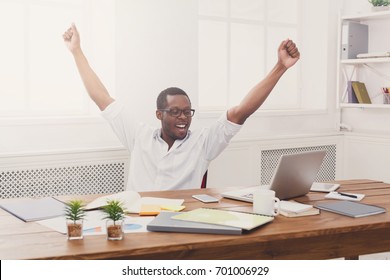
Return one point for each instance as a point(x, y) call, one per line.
point(92, 83)
point(288, 55)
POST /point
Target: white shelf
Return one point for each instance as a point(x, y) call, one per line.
point(367, 16)
point(363, 106)
point(366, 60)
point(349, 70)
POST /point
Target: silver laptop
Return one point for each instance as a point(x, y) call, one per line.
point(293, 177)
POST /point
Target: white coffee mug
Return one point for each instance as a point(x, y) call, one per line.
point(265, 203)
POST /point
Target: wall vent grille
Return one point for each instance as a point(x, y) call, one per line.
point(270, 159)
point(63, 180)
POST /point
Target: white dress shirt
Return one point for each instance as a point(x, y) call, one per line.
point(152, 166)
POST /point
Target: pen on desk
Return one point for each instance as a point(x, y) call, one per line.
point(349, 195)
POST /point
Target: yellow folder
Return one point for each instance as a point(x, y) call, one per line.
point(241, 220)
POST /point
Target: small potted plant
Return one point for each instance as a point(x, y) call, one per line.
point(379, 5)
point(74, 214)
point(114, 213)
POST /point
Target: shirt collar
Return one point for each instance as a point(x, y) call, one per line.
point(177, 143)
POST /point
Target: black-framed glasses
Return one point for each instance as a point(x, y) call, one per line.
point(175, 112)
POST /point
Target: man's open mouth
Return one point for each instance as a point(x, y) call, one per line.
point(181, 126)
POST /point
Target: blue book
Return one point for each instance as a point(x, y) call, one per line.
point(351, 93)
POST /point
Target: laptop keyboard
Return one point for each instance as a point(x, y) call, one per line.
point(250, 195)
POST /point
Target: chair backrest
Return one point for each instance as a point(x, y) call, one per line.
point(204, 181)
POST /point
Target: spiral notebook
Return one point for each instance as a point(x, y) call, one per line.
point(242, 220)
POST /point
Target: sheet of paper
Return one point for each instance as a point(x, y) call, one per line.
point(132, 201)
point(337, 195)
point(92, 220)
point(162, 201)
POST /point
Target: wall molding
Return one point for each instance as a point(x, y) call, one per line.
point(47, 159)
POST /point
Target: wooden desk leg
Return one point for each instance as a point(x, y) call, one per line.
point(352, 258)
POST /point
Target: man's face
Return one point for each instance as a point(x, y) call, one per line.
point(174, 127)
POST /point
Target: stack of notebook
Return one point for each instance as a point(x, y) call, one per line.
point(205, 220)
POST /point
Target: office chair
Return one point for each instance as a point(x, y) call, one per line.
point(204, 181)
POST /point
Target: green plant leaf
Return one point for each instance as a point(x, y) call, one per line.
point(74, 210)
point(114, 210)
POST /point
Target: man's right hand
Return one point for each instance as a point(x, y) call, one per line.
point(92, 83)
point(72, 38)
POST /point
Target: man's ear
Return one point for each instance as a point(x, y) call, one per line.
point(159, 114)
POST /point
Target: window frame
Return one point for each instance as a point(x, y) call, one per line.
point(302, 107)
point(87, 112)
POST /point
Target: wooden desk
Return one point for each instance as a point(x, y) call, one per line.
point(323, 236)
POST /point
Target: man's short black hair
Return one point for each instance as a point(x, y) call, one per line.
point(162, 97)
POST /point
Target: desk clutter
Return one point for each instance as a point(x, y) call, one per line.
point(164, 215)
point(135, 204)
point(44, 208)
point(51, 212)
point(183, 239)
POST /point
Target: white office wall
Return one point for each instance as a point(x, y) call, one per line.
point(157, 48)
point(155, 52)
point(27, 123)
point(367, 156)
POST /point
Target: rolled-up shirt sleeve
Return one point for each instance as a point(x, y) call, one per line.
point(219, 136)
point(122, 122)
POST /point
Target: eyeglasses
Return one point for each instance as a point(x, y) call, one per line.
point(175, 112)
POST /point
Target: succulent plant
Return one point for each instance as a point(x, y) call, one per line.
point(114, 210)
point(74, 210)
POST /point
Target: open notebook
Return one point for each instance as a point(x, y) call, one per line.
point(242, 220)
